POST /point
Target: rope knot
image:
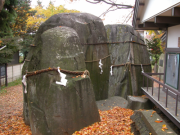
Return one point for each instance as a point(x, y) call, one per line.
point(86, 72)
point(127, 66)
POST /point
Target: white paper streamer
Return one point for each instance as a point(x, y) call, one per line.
point(24, 82)
point(63, 80)
point(100, 66)
point(111, 71)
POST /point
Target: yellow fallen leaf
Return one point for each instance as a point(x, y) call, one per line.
point(164, 127)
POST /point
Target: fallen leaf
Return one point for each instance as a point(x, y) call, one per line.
point(164, 127)
point(153, 113)
point(115, 121)
point(158, 121)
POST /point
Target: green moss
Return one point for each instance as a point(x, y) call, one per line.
point(99, 81)
point(130, 90)
point(119, 33)
point(108, 31)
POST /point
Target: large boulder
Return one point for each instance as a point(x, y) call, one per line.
point(125, 80)
point(54, 109)
point(90, 30)
point(112, 102)
point(139, 102)
point(144, 124)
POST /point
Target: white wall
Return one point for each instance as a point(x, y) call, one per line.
point(13, 73)
point(173, 34)
point(155, 7)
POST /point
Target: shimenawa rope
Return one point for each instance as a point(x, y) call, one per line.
point(86, 72)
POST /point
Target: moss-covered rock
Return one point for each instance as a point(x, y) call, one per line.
point(90, 29)
point(144, 123)
point(54, 109)
point(124, 82)
point(138, 102)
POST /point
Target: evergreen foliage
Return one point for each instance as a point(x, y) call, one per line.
point(155, 48)
point(27, 41)
point(12, 46)
point(7, 16)
point(13, 23)
point(19, 28)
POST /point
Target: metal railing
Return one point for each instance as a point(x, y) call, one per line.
point(165, 87)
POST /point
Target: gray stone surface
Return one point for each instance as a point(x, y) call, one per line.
point(136, 103)
point(123, 82)
point(90, 29)
point(111, 102)
point(161, 66)
point(146, 124)
point(55, 109)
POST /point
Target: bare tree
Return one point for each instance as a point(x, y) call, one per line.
point(113, 5)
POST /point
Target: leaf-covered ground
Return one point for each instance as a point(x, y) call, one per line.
point(11, 119)
point(113, 122)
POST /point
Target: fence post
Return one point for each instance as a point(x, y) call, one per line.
point(176, 105)
point(147, 83)
point(12, 73)
point(6, 75)
point(0, 77)
point(166, 97)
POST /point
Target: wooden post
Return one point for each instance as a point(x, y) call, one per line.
point(0, 77)
point(12, 73)
point(6, 75)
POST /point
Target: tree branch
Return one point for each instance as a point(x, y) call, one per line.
point(106, 11)
point(110, 2)
point(129, 15)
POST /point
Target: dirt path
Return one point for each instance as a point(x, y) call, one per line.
point(11, 108)
point(11, 102)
